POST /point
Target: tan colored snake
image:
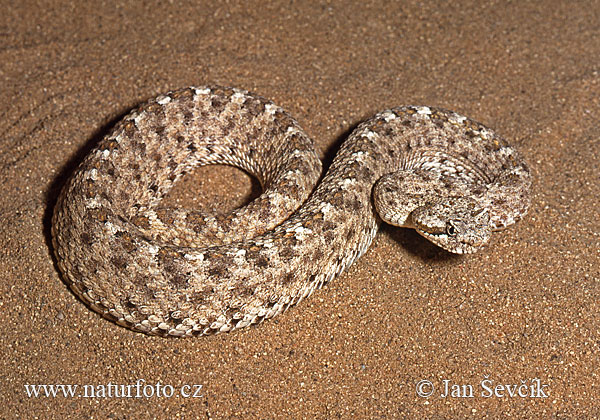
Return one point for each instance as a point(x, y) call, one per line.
point(180, 272)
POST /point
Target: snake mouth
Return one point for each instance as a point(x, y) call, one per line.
point(451, 244)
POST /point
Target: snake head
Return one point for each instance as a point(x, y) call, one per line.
point(458, 224)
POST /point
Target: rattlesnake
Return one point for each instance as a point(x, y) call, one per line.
point(180, 272)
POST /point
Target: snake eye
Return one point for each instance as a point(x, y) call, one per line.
point(450, 229)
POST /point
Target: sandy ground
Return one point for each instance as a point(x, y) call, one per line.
point(524, 311)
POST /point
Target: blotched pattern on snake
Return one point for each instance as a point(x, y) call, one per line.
point(180, 272)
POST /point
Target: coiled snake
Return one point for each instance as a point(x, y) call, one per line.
point(169, 271)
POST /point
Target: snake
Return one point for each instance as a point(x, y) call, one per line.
point(172, 271)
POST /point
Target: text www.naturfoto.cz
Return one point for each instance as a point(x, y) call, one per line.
point(139, 389)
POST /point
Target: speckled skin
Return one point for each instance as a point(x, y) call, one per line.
point(179, 272)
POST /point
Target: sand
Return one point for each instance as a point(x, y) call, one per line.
point(524, 311)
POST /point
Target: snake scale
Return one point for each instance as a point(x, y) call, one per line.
point(180, 272)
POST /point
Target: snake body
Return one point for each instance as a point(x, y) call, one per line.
point(179, 272)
